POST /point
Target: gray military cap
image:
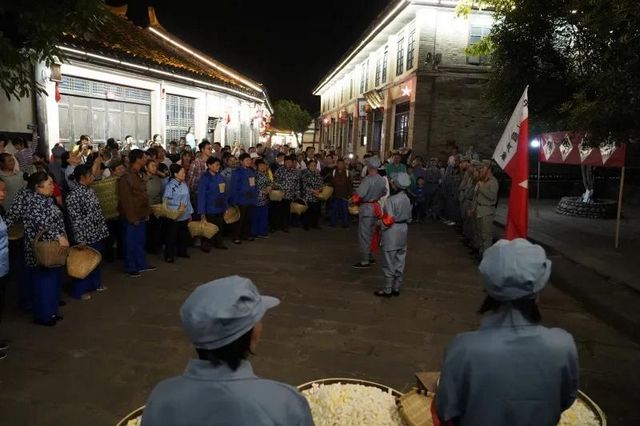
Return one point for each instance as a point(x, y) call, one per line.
point(221, 311)
point(514, 269)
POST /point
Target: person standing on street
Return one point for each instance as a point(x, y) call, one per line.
point(342, 189)
point(367, 197)
point(395, 219)
point(244, 194)
point(311, 187)
point(513, 370)
point(484, 206)
point(4, 264)
point(433, 178)
point(260, 225)
point(176, 196)
point(134, 208)
point(223, 320)
point(287, 179)
point(395, 166)
point(213, 202)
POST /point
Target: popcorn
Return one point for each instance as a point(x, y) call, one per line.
point(579, 414)
point(352, 404)
point(135, 422)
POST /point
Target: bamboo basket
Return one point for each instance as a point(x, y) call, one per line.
point(232, 215)
point(354, 210)
point(276, 195)
point(107, 192)
point(298, 207)
point(49, 254)
point(325, 193)
point(130, 419)
point(161, 210)
point(16, 231)
point(82, 261)
point(200, 228)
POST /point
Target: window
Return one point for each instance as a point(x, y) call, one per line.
point(350, 87)
point(400, 58)
point(366, 76)
point(384, 64)
point(401, 131)
point(362, 78)
point(362, 131)
point(378, 66)
point(180, 116)
point(475, 35)
point(411, 48)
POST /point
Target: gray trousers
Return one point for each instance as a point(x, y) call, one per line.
point(366, 227)
point(467, 221)
point(484, 232)
point(393, 269)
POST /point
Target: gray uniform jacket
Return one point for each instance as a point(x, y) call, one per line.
point(395, 236)
point(486, 198)
point(509, 372)
point(208, 395)
point(372, 188)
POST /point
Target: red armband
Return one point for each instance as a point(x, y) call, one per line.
point(388, 220)
point(377, 211)
point(356, 199)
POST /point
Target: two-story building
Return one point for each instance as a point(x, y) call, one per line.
point(140, 81)
point(407, 82)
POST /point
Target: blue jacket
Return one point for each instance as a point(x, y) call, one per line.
point(4, 248)
point(212, 194)
point(244, 191)
point(208, 395)
point(176, 193)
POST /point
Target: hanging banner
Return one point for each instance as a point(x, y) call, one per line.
point(573, 148)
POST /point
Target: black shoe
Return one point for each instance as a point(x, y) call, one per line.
point(134, 274)
point(237, 242)
point(381, 293)
point(169, 259)
point(4, 345)
point(58, 317)
point(360, 265)
point(3, 354)
point(251, 239)
point(222, 247)
point(205, 249)
point(372, 261)
point(49, 323)
point(285, 230)
point(148, 269)
point(62, 303)
point(185, 255)
point(396, 293)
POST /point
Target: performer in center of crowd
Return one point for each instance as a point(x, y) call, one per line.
point(177, 196)
point(213, 202)
point(396, 216)
point(371, 189)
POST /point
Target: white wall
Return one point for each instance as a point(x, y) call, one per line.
point(15, 115)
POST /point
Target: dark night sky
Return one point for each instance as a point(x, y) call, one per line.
point(286, 45)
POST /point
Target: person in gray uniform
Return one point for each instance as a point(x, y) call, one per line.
point(484, 206)
point(223, 321)
point(395, 217)
point(465, 195)
point(512, 370)
point(371, 189)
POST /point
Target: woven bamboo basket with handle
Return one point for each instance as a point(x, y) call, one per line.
point(16, 231)
point(325, 193)
point(82, 261)
point(231, 215)
point(200, 228)
point(276, 195)
point(298, 207)
point(107, 192)
point(49, 254)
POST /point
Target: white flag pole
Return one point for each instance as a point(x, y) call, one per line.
point(619, 208)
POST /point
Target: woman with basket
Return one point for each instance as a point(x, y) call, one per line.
point(88, 227)
point(244, 194)
point(212, 202)
point(155, 189)
point(44, 223)
point(177, 197)
point(312, 183)
point(260, 226)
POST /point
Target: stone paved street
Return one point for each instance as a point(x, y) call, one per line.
point(104, 358)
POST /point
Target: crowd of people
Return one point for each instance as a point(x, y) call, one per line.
point(52, 198)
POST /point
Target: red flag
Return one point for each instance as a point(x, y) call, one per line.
point(512, 155)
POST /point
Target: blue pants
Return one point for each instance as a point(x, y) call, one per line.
point(91, 282)
point(339, 212)
point(46, 289)
point(134, 242)
point(260, 225)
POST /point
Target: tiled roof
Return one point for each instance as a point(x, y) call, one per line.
point(123, 40)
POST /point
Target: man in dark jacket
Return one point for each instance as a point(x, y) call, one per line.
point(134, 209)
